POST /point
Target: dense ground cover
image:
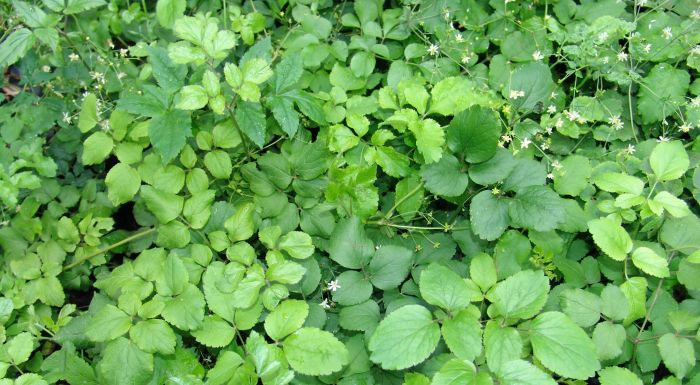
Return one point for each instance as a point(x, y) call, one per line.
point(316, 192)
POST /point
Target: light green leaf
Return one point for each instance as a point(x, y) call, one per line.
point(214, 332)
point(614, 303)
point(218, 163)
point(534, 79)
point(167, 11)
point(405, 338)
point(15, 46)
point(581, 306)
point(662, 92)
point(354, 288)
point(562, 346)
point(635, 290)
point(361, 317)
point(349, 245)
point(519, 372)
point(675, 206)
point(165, 206)
point(474, 134)
point(241, 225)
point(173, 277)
point(286, 318)
point(482, 271)
point(168, 133)
point(88, 113)
point(185, 311)
point(572, 177)
point(462, 334)
point(521, 295)
point(20, 347)
point(669, 160)
point(285, 272)
point(256, 71)
point(649, 262)
point(610, 237)
point(608, 339)
point(315, 352)
point(429, 139)
point(678, 354)
point(123, 363)
point(109, 323)
point(297, 244)
point(153, 336)
point(489, 215)
point(619, 183)
point(444, 178)
point(251, 119)
point(77, 6)
point(615, 375)
point(502, 344)
point(442, 287)
point(455, 372)
point(123, 182)
point(537, 208)
point(192, 97)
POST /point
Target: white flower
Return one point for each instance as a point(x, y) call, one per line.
point(544, 146)
point(67, 118)
point(548, 130)
point(333, 285)
point(646, 48)
point(46, 68)
point(666, 32)
point(686, 127)
point(324, 304)
point(695, 102)
point(573, 115)
point(615, 122)
point(506, 138)
point(559, 123)
point(110, 43)
point(120, 75)
point(105, 125)
point(695, 15)
point(603, 36)
point(550, 176)
point(459, 38)
point(537, 55)
point(495, 190)
point(525, 143)
point(606, 60)
point(514, 94)
point(74, 56)
point(433, 49)
point(553, 95)
point(630, 149)
point(556, 165)
point(123, 52)
point(642, 3)
point(622, 56)
point(465, 58)
point(663, 139)
point(98, 76)
point(551, 109)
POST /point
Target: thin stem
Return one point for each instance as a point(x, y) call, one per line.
point(403, 199)
point(108, 248)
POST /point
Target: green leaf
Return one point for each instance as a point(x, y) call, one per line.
point(462, 334)
point(123, 363)
point(168, 133)
point(444, 178)
point(581, 306)
point(669, 160)
point(15, 46)
point(681, 233)
point(409, 197)
point(297, 244)
point(662, 93)
point(442, 287)
point(489, 215)
point(287, 73)
point(453, 94)
point(405, 338)
point(218, 163)
point(635, 290)
point(251, 120)
point(165, 206)
point(123, 182)
point(167, 11)
point(170, 76)
point(173, 277)
point(573, 176)
point(455, 372)
point(429, 139)
point(482, 271)
point(241, 225)
point(537, 208)
point(675, 206)
point(20, 347)
point(610, 237)
point(77, 6)
point(97, 148)
point(286, 318)
point(361, 317)
point(562, 346)
point(619, 183)
point(614, 375)
point(535, 81)
point(315, 352)
point(521, 295)
point(678, 354)
point(354, 288)
point(502, 344)
point(283, 111)
point(256, 71)
point(614, 303)
point(608, 339)
point(349, 245)
point(519, 372)
point(285, 272)
point(185, 311)
point(649, 262)
point(109, 323)
point(192, 98)
point(390, 266)
point(474, 134)
point(153, 336)
point(214, 332)
point(88, 113)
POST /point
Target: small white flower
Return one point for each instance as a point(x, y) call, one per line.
point(544, 146)
point(105, 125)
point(67, 118)
point(506, 138)
point(663, 139)
point(97, 76)
point(603, 36)
point(495, 190)
point(465, 58)
point(553, 95)
point(459, 38)
point(433, 49)
point(551, 109)
point(121, 75)
point(110, 43)
point(537, 55)
point(695, 102)
point(642, 3)
point(514, 94)
point(548, 130)
point(324, 304)
point(666, 32)
point(686, 127)
point(606, 60)
point(646, 48)
point(333, 285)
point(525, 143)
point(556, 165)
point(622, 56)
point(695, 15)
point(559, 123)
point(74, 56)
point(615, 122)
point(550, 176)
point(123, 52)
point(46, 68)
point(573, 115)
point(630, 149)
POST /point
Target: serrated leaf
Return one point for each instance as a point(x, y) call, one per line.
point(123, 363)
point(669, 160)
point(489, 215)
point(462, 334)
point(678, 354)
point(429, 139)
point(109, 323)
point(404, 338)
point(167, 11)
point(442, 287)
point(537, 208)
point(445, 178)
point(153, 336)
point(168, 133)
point(474, 134)
point(521, 295)
point(297, 244)
point(502, 345)
point(649, 262)
point(214, 332)
point(123, 182)
point(315, 352)
point(15, 46)
point(615, 375)
point(349, 245)
point(251, 120)
point(88, 113)
point(611, 237)
point(286, 318)
point(519, 372)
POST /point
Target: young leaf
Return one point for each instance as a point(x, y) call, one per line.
point(649, 262)
point(214, 332)
point(611, 237)
point(669, 161)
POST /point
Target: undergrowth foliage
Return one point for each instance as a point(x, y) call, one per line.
point(315, 192)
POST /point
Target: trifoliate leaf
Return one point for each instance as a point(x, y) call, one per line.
point(405, 338)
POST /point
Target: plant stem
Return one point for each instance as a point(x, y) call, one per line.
point(108, 248)
point(403, 199)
